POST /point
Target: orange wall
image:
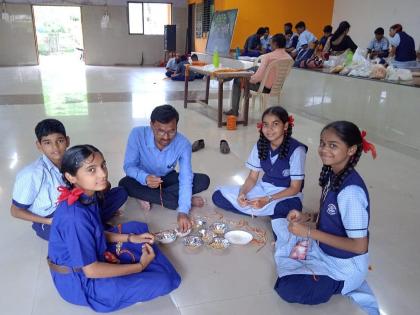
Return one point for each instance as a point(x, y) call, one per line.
point(272, 13)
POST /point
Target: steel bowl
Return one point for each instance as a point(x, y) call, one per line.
point(166, 237)
point(193, 241)
point(218, 228)
point(219, 243)
point(199, 223)
point(206, 235)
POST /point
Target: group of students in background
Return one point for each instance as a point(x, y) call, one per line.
point(303, 45)
point(67, 195)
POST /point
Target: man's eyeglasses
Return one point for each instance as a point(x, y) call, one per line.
point(162, 133)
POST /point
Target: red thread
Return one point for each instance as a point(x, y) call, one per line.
point(367, 146)
point(70, 195)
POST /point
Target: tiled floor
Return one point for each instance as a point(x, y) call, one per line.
point(99, 105)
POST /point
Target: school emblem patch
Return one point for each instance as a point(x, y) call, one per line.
point(331, 210)
point(286, 172)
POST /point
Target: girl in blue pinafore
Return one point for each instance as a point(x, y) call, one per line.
point(335, 257)
point(105, 270)
point(282, 160)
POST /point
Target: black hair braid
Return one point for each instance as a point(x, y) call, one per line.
point(284, 147)
point(338, 181)
point(323, 177)
point(263, 146)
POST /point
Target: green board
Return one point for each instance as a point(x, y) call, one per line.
point(221, 32)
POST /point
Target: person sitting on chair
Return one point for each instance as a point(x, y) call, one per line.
point(278, 43)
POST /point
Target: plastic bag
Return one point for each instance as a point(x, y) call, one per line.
point(394, 74)
point(378, 72)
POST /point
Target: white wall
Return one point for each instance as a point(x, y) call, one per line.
point(112, 46)
point(365, 16)
point(17, 39)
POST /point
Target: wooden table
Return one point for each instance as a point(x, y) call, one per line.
point(221, 77)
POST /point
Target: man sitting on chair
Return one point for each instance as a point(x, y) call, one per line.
point(278, 42)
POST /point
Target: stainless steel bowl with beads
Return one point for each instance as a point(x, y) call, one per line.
point(193, 241)
point(206, 235)
point(219, 243)
point(218, 228)
point(166, 237)
point(199, 223)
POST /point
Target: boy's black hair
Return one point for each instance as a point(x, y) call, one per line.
point(327, 29)
point(164, 114)
point(300, 24)
point(194, 57)
point(280, 40)
point(289, 25)
point(261, 31)
point(49, 126)
point(379, 31)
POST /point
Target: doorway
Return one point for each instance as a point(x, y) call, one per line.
point(59, 34)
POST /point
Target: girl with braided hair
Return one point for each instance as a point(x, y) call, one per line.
point(336, 260)
point(104, 270)
point(281, 159)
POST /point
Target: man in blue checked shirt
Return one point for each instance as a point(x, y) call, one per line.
point(151, 156)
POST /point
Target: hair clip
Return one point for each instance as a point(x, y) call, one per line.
point(368, 146)
point(291, 121)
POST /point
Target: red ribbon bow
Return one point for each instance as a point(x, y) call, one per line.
point(291, 120)
point(70, 195)
point(259, 125)
point(367, 146)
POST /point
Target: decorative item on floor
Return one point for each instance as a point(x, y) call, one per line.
point(224, 147)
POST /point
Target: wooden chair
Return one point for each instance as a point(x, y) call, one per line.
point(282, 69)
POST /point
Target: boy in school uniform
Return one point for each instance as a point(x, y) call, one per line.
point(35, 192)
point(327, 34)
point(305, 37)
point(379, 46)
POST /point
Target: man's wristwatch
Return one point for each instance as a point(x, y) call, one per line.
point(270, 198)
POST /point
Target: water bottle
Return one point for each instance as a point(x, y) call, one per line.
point(349, 58)
point(238, 53)
point(216, 58)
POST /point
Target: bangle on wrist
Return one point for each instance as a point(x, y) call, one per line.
point(270, 198)
point(142, 266)
point(309, 232)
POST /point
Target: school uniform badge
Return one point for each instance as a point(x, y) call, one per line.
point(331, 209)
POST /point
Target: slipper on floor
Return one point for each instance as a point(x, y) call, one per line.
point(224, 147)
point(198, 145)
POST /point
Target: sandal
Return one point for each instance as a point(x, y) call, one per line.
point(198, 145)
point(224, 147)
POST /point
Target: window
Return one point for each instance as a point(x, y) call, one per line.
point(148, 18)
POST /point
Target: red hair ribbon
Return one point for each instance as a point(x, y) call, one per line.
point(70, 195)
point(367, 146)
point(259, 125)
point(291, 120)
